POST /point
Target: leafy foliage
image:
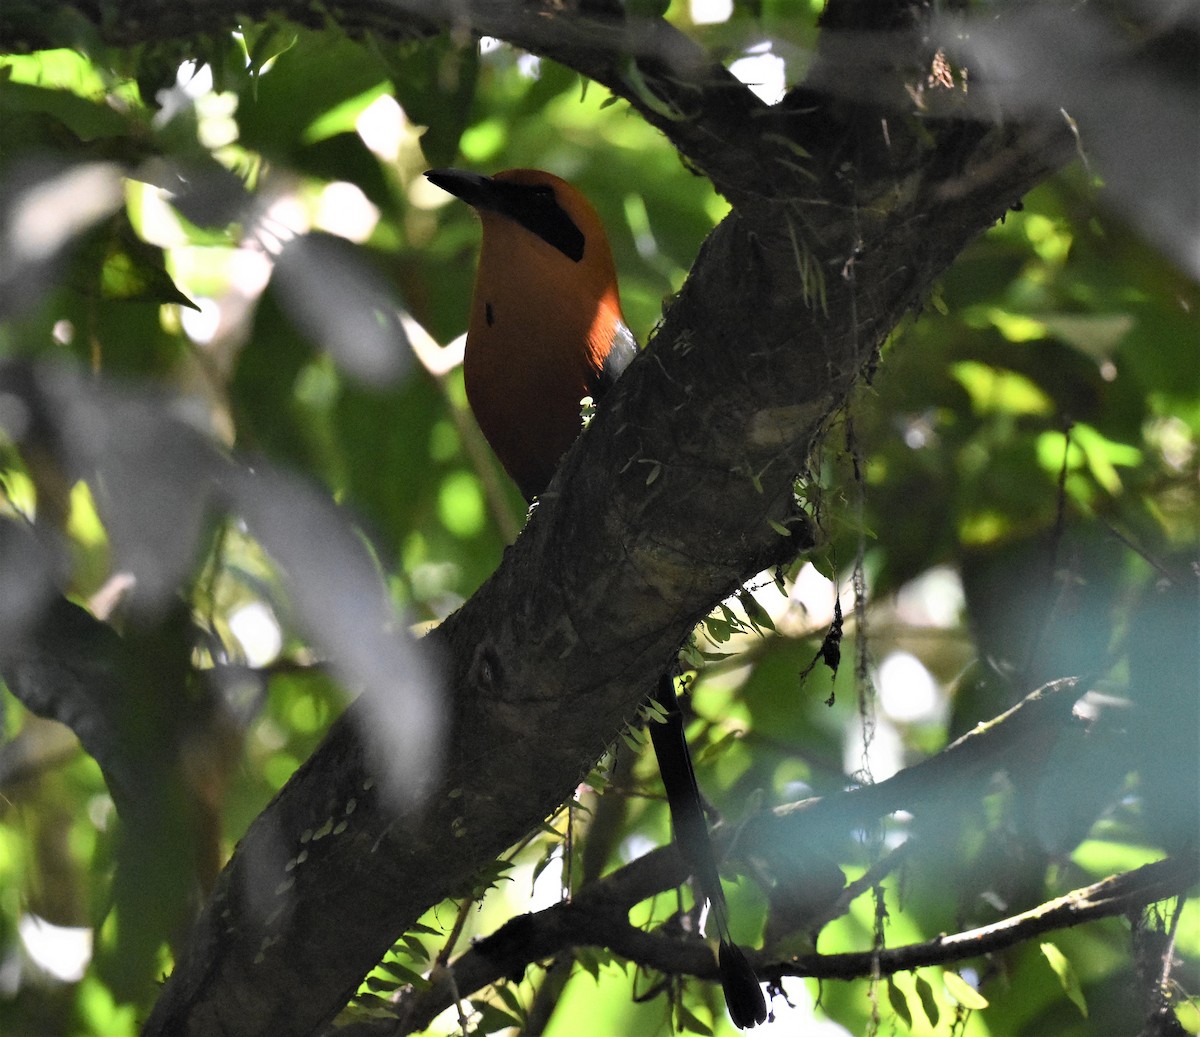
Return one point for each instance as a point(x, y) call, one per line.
point(220, 269)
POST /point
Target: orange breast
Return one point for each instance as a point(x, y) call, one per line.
point(535, 346)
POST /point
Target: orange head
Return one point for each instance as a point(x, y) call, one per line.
point(546, 326)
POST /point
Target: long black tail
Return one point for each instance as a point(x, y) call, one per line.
point(743, 993)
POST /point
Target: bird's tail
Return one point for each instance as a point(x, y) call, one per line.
point(743, 993)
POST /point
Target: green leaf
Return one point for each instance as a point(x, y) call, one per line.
point(492, 1018)
point(546, 859)
point(962, 991)
point(86, 119)
point(899, 1003)
point(757, 615)
point(717, 748)
point(928, 1001)
point(597, 780)
point(731, 618)
point(636, 82)
point(589, 961)
point(1066, 976)
point(381, 985)
point(426, 930)
point(415, 948)
point(654, 712)
point(509, 997)
point(994, 390)
point(490, 875)
point(686, 1022)
point(435, 84)
point(717, 629)
point(404, 973)
point(322, 70)
point(264, 44)
point(134, 271)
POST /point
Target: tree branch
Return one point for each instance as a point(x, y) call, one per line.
point(719, 126)
point(1121, 894)
point(598, 917)
point(666, 76)
point(599, 913)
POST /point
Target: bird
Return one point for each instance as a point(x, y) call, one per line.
point(545, 331)
point(545, 327)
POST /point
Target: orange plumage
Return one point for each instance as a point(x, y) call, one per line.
point(546, 327)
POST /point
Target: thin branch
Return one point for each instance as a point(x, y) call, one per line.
point(589, 922)
point(599, 913)
point(1005, 741)
point(1120, 894)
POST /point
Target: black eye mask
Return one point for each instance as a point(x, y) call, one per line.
point(533, 206)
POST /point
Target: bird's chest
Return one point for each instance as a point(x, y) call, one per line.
point(525, 376)
point(527, 361)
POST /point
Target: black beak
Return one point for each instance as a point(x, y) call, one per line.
point(476, 190)
point(533, 206)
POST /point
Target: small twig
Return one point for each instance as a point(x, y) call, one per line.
point(871, 878)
